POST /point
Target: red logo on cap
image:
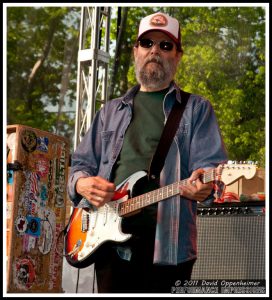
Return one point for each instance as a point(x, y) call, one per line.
point(158, 20)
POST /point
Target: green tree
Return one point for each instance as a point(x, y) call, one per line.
point(224, 61)
point(41, 66)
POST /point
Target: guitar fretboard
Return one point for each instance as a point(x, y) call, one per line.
point(160, 194)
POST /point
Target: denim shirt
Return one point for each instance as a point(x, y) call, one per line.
point(197, 144)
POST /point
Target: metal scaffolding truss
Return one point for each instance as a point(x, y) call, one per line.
point(93, 61)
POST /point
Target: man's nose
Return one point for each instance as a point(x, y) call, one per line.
point(155, 48)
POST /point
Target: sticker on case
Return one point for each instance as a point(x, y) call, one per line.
point(34, 226)
point(21, 224)
point(29, 243)
point(42, 143)
point(10, 177)
point(46, 239)
point(29, 140)
point(40, 165)
point(24, 275)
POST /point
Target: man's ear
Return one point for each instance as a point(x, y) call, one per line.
point(179, 55)
point(135, 51)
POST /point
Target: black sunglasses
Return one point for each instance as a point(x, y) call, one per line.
point(148, 43)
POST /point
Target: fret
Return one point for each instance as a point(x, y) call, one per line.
point(183, 182)
point(176, 188)
point(148, 200)
point(142, 201)
point(137, 202)
point(126, 206)
point(132, 204)
point(208, 176)
point(169, 190)
point(160, 193)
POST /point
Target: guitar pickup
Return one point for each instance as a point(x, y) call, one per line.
point(85, 222)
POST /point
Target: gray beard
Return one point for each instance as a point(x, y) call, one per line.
point(155, 78)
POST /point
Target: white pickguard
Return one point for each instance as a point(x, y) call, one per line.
point(105, 225)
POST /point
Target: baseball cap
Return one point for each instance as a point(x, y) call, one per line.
point(161, 22)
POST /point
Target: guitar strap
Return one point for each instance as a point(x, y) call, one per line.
point(167, 136)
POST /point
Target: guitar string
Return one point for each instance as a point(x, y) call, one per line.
point(164, 192)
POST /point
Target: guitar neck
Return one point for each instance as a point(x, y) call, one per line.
point(160, 194)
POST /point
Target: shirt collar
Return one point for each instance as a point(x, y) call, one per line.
point(130, 94)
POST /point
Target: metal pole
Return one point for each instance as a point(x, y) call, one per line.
point(92, 66)
point(79, 85)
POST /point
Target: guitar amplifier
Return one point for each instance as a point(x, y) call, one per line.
point(37, 172)
point(231, 241)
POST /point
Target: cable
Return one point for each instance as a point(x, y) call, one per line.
point(78, 270)
point(93, 277)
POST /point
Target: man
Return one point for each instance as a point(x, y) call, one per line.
point(122, 140)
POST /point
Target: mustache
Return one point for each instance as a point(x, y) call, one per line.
point(155, 59)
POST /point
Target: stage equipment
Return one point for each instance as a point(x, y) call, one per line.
point(37, 171)
point(231, 241)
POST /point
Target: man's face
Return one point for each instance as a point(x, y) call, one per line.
point(155, 67)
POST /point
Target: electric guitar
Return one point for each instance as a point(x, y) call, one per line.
point(90, 228)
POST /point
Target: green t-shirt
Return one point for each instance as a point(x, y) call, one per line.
point(142, 136)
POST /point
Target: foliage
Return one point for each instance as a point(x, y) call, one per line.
point(36, 41)
point(224, 61)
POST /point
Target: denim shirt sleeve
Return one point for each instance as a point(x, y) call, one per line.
point(86, 158)
point(206, 133)
point(207, 148)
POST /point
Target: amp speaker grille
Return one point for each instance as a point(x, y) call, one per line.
point(230, 247)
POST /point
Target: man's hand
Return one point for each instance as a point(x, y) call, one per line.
point(195, 189)
point(96, 190)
